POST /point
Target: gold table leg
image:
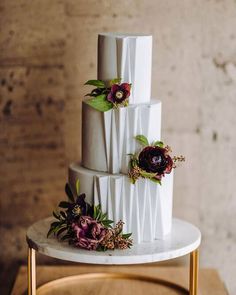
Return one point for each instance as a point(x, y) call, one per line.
point(31, 272)
point(193, 272)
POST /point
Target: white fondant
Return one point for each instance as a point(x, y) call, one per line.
point(102, 190)
point(148, 213)
point(128, 57)
point(108, 137)
point(93, 135)
point(183, 239)
point(145, 207)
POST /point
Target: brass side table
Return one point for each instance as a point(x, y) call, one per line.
point(185, 239)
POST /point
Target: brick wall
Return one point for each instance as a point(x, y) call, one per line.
point(48, 50)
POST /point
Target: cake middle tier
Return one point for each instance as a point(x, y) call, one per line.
point(145, 207)
point(108, 137)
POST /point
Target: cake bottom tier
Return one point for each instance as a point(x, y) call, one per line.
point(144, 207)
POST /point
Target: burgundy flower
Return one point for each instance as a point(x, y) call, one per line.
point(119, 93)
point(76, 208)
point(155, 159)
point(89, 233)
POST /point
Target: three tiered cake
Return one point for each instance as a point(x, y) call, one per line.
point(109, 140)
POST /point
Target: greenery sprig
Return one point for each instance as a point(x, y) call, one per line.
point(152, 161)
point(103, 97)
point(86, 226)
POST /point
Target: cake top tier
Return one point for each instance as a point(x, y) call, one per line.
point(129, 57)
point(123, 35)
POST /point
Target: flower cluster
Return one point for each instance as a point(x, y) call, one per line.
point(86, 226)
point(152, 162)
point(114, 239)
point(88, 232)
point(105, 97)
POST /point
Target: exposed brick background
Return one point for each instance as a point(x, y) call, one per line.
point(47, 52)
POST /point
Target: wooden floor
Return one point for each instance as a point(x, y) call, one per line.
point(209, 280)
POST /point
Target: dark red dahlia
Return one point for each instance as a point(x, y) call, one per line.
point(119, 93)
point(89, 233)
point(155, 159)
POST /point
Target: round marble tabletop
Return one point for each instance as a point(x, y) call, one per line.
point(183, 239)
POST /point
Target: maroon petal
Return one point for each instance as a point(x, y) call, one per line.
point(88, 232)
point(115, 88)
point(169, 166)
point(79, 231)
point(96, 230)
point(102, 235)
point(126, 87)
point(85, 221)
point(82, 243)
point(110, 97)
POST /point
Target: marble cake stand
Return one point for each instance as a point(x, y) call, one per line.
point(184, 239)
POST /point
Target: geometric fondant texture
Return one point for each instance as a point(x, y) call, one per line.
point(128, 57)
point(108, 137)
point(145, 207)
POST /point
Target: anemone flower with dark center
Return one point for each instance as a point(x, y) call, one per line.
point(155, 159)
point(119, 93)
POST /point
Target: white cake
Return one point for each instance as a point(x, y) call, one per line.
point(108, 137)
point(128, 57)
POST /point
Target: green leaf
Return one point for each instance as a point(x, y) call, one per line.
point(158, 143)
point(60, 226)
point(101, 248)
point(95, 212)
point(98, 91)
point(53, 227)
point(63, 214)
point(115, 81)
point(101, 217)
point(133, 163)
point(132, 180)
point(57, 216)
point(147, 174)
point(97, 83)
point(126, 236)
point(51, 230)
point(99, 214)
point(64, 204)
point(142, 140)
point(89, 209)
point(61, 230)
point(55, 224)
point(104, 216)
point(90, 94)
point(65, 237)
point(105, 90)
point(77, 185)
point(107, 223)
point(100, 103)
point(69, 193)
point(155, 180)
